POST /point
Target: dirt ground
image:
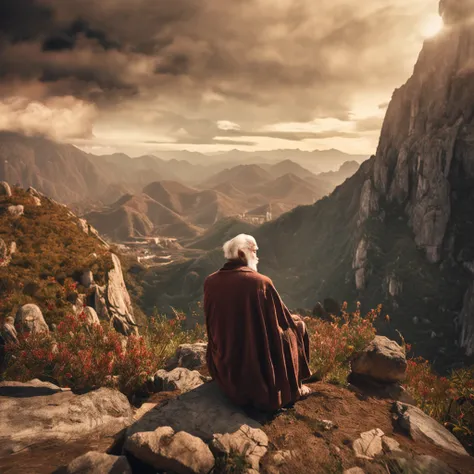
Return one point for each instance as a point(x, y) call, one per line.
point(315, 450)
point(296, 429)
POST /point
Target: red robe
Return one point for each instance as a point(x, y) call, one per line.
point(257, 351)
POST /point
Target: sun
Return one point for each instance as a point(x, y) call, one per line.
point(431, 26)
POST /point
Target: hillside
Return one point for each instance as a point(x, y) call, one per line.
point(51, 258)
point(287, 167)
point(398, 232)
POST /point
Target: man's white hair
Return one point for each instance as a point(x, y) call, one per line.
point(241, 242)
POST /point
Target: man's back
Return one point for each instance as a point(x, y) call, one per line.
point(255, 352)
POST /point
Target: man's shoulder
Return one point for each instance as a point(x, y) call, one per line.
point(247, 274)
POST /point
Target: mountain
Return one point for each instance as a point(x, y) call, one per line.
point(63, 172)
point(140, 216)
point(316, 161)
point(276, 209)
point(202, 208)
point(287, 167)
point(335, 178)
point(290, 189)
point(241, 176)
point(399, 231)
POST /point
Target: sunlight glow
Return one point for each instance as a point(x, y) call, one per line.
point(432, 26)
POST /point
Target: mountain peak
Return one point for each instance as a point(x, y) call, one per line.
point(456, 11)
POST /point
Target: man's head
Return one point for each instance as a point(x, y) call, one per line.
point(243, 247)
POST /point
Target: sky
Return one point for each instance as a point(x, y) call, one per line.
point(207, 75)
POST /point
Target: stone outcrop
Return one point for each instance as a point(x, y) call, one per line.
point(33, 413)
point(165, 450)
point(382, 360)
point(99, 463)
point(203, 412)
point(421, 427)
point(359, 264)
point(112, 302)
point(29, 318)
point(178, 379)
point(5, 189)
point(189, 356)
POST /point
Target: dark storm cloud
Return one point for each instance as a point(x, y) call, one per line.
point(254, 62)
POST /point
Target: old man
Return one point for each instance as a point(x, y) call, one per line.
point(258, 352)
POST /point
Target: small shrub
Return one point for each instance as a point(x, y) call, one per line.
point(85, 357)
point(332, 344)
point(449, 400)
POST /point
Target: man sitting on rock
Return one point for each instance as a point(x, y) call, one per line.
point(258, 352)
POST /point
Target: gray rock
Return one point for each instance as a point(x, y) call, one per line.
point(280, 457)
point(178, 379)
point(82, 224)
point(382, 360)
point(466, 321)
point(369, 444)
point(33, 388)
point(87, 279)
point(9, 332)
point(189, 356)
point(249, 442)
point(359, 264)
point(36, 418)
point(99, 463)
point(5, 189)
point(390, 445)
point(354, 470)
point(418, 465)
point(91, 316)
point(165, 450)
point(421, 427)
point(118, 300)
point(33, 192)
point(13, 248)
point(36, 201)
point(29, 318)
point(394, 286)
point(202, 412)
point(369, 201)
point(16, 211)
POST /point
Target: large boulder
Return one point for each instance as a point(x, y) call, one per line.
point(29, 416)
point(203, 412)
point(165, 450)
point(422, 427)
point(5, 189)
point(382, 360)
point(98, 463)
point(178, 379)
point(29, 318)
point(189, 356)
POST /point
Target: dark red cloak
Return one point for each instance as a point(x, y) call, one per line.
point(257, 352)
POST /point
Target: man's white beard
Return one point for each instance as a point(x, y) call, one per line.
point(252, 260)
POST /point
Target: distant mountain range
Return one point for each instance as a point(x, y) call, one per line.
point(70, 175)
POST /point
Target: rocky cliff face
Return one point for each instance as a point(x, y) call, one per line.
point(425, 160)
